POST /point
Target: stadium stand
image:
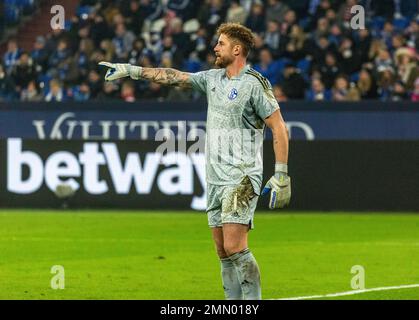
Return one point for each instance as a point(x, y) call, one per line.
point(306, 48)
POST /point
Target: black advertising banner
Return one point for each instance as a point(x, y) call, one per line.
point(326, 175)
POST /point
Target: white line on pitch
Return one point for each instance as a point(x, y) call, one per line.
point(348, 293)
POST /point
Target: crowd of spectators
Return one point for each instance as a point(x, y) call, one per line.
point(306, 48)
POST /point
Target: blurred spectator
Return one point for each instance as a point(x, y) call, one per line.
point(81, 92)
point(318, 91)
point(276, 10)
point(210, 14)
point(110, 92)
point(383, 60)
point(349, 59)
point(155, 90)
point(387, 33)
point(318, 9)
point(290, 19)
point(200, 43)
point(95, 83)
point(82, 57)
point(366, 85)
point(178, 94)
point(108, 49)
point(342, 91)
point(11, 56)
point(31, 93)
point(55, 92)
point(39, 54)
point(123, 42)
point(380, 61)
point(236, 13)
point(23, 72)
point(376, 46)
point(415, 94)
point(180, 38)
point(399, 92)
point(363, 42)
point(329, 70)
point(407, 66)
point(321, 31)
point(322, 48)
point(294, 84)
point(297, 46)
point(344, 14)
point(256, 19)
point(412, 34)
point(59, 55)
point(7, 92)
point(269, 68)
point(274, 40)
point(184, 9)
point(385, 81)
point(128, 91)
point(99, 29)
point(279, 93)
point(135, 17)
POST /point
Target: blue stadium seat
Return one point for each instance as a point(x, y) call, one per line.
point(11, 14)
point(377, 23)
point(45, 79)
point(81, 10)
point(354, 77)
point(401, 23)
point(304, 65)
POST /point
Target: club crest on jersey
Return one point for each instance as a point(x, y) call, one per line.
point(233, 94)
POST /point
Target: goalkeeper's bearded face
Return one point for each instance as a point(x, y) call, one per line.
point(224, 51)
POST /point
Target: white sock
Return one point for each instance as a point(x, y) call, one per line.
point(248, 274)
point(231, 284)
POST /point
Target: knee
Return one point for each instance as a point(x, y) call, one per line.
point(232, 248)
point(221, 252)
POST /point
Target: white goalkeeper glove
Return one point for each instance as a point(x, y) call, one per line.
point(279, 186)
point(121, 70)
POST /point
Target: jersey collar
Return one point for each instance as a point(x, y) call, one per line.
point(242, 72)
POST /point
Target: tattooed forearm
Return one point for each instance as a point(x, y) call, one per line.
point(167, 76)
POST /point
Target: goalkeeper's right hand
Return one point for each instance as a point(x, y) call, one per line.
point(121, 70)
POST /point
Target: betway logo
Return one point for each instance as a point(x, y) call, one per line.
point(64, 167)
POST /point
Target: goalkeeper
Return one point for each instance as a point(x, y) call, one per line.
point(240, 105)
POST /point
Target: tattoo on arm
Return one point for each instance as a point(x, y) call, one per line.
point(167, 76)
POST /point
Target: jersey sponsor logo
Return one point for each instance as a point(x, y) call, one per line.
point(233, 94)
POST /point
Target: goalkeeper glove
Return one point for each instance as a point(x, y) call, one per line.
point(121, 70)
point(279, 187)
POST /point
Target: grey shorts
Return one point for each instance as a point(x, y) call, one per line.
point(231, 203)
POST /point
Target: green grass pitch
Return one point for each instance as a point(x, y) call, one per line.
point(170, 255)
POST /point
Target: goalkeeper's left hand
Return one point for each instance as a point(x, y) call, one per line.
point(279, 186)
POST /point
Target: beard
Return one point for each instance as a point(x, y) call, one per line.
point(223, 62)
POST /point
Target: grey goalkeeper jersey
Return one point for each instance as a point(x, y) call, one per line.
point(237, 108)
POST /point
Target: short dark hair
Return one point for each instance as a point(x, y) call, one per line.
point(238, 32)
